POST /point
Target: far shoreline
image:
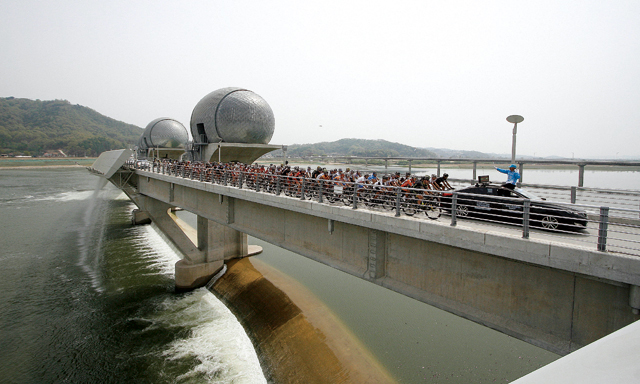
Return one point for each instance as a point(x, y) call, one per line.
point(44, 162)
point(44, 166)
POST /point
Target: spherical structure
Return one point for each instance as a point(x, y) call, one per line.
point(232, 115)
point(164, 133)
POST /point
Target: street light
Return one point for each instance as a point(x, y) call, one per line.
point(515, 119)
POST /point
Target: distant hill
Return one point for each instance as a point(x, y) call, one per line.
point(33, 127)
point(356, 147)
point(460, 154)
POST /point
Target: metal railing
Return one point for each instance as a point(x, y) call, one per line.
point(600, 227)
point(580, 164)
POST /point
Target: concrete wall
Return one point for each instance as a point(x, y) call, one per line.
point(555, 297)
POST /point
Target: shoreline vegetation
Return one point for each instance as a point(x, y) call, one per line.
point(45, 162)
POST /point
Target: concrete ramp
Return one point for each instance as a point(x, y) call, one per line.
point(612, 359)
point(109, 162)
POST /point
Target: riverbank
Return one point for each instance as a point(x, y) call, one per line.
point(43, 162)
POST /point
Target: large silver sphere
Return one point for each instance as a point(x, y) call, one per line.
point(164, 133)
point(232, 115)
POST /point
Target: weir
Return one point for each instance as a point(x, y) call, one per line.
point(556, 296)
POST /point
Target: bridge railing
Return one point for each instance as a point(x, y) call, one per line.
point(619, 198)
point(600, 227)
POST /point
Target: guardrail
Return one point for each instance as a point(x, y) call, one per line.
point(438, 162)
point(604, 228)
point(618, 198)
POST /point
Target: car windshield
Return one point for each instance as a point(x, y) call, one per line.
point(527, 194)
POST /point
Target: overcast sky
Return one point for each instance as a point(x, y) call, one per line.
point(442, 74)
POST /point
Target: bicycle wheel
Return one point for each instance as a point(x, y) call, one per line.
point(347, 197)
point(367, 198)
point(408, 207)
point(388, 202)
point(432, 209)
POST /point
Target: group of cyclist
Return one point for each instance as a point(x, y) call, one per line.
point(336, 175)
point(408, 192)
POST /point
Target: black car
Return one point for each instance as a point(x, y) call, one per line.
point(495, 203)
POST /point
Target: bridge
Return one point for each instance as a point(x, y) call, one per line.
point(556, 294)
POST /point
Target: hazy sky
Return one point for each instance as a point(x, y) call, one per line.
point(425, 73)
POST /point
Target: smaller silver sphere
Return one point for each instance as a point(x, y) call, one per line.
point(164, 132)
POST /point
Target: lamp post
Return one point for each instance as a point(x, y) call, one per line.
point(515, 119)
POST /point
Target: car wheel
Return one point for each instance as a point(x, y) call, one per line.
point(462, 211)
point(549, 222)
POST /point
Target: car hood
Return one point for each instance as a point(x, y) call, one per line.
point(544, 204)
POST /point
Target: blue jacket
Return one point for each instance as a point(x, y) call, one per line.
point(512, 176)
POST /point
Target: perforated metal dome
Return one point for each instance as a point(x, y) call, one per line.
point(164, 133)
point(232, 115)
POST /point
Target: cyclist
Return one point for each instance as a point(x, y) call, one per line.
point(442, 183)
point(360, 183)
point(432, 182)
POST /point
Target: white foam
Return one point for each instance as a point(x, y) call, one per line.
point(217, 341)
point(89, 252)
point(66, 196)
point(161, 255)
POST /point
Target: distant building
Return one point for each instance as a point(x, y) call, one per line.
point(54, 153)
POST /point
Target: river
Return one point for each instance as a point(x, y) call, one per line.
point(86, 297)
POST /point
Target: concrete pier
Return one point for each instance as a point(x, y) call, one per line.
point(139, 217)
point(205, 249)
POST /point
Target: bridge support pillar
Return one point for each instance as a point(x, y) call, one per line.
point(219, 242)
point(634, 299)
point(192, 276)
point(216, 243)
point(377, 254)
point(581, 175)
point(139, 217)
point(204, 251)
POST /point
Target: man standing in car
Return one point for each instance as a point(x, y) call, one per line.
point(512, 176)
